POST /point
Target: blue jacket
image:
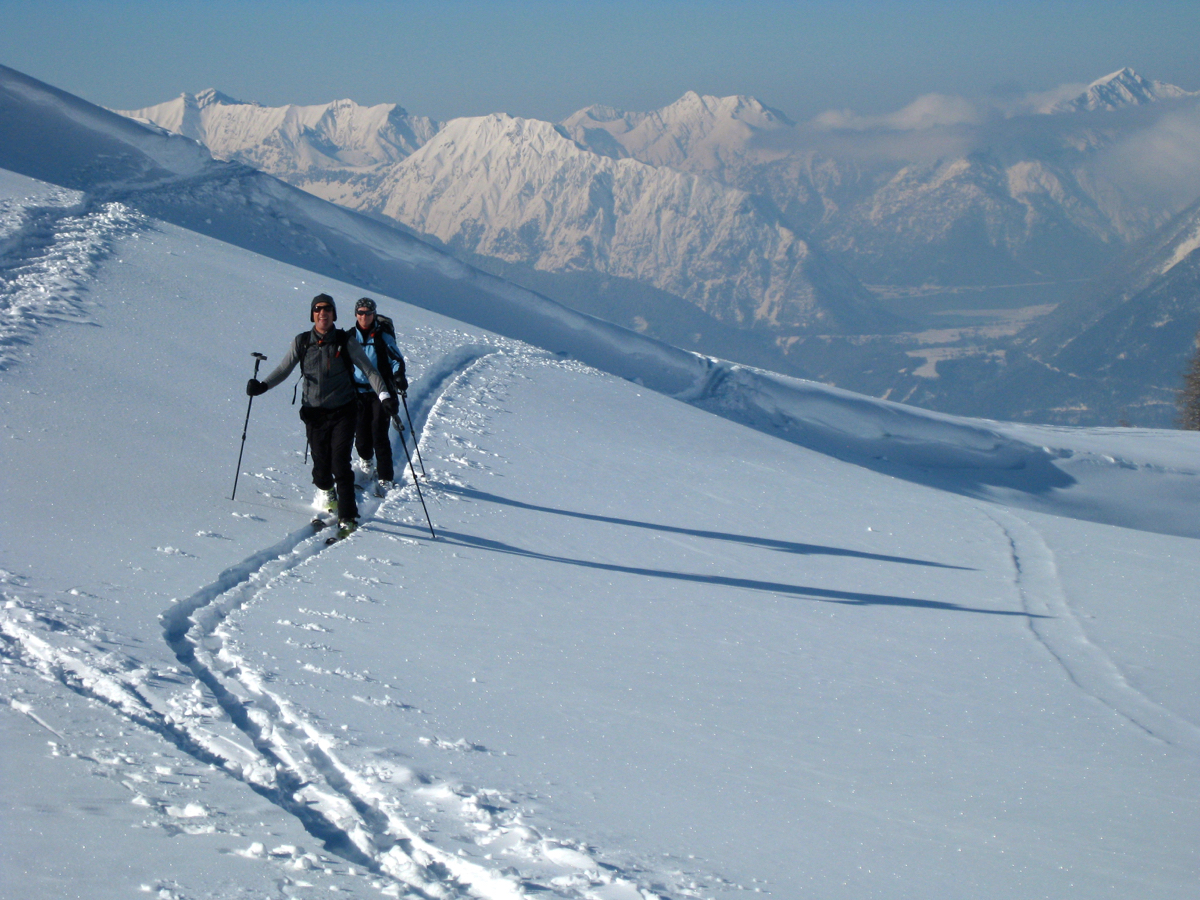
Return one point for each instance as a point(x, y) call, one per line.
point(367, 342)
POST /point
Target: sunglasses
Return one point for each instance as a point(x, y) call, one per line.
point(322, 307)
point(364, 312)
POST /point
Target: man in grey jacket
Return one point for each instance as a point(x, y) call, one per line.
point(329, 407)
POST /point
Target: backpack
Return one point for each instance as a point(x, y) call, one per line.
point(385, 324)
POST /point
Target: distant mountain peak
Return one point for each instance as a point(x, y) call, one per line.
point(691, 105)
point(212, 97)
point(1120, 89)
point(735, 106)
point(693, 133)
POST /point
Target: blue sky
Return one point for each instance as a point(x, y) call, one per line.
point(547, 59)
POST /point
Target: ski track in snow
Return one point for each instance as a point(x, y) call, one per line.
point(273, 747)
point(48, 252)
point(1058, 629)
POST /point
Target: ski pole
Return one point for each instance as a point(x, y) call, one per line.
point(416, 443)
point(258, 358)
point(400, 428)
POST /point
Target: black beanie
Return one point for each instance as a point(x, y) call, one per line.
point(321, 298)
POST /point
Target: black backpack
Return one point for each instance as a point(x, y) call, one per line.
point(385, 323)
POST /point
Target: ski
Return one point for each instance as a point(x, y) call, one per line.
point(344, 531)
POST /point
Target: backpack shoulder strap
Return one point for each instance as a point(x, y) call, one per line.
point(341, 339)
point(383, 358)
point(302, 341)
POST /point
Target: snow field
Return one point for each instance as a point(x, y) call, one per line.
point(669, 718)
point(652, 652)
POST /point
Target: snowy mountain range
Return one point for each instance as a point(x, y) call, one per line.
point(295, 139)
point(1118, 351)
point(714, 213)
point(969, 199)
point(688, 630)
point(718, 137)
point(520, 191)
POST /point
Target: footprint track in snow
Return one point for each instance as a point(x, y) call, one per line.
point(376, 825)
point(1085, 663)
point(235, 721)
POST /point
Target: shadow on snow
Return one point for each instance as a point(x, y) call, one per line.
point(764, 542)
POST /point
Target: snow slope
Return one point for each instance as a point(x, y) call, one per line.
point(851, 650)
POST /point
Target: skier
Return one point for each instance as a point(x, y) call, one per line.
point(378, 340)
point(327, 358)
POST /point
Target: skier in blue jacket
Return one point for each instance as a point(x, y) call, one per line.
point(371, 435)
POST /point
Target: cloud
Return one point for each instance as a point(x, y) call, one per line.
point(1158, 164)
point(1148, 155)
point(927, 111)
point(950, 110)
point(1035, 102)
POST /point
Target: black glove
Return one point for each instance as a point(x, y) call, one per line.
point(402, 384)
point(254, 387)
point(391, 406)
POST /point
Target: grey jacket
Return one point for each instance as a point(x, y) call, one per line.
point(328, 381)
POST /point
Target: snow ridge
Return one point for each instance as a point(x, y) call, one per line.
point(48, 253)
point(295, 138)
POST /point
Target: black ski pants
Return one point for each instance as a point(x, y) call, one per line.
point(330, 437)
point(371, 438)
